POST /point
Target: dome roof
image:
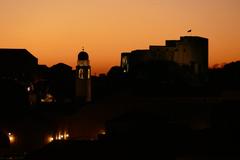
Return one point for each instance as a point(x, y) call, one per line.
point(83, 55)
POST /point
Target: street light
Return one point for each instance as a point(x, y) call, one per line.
point(11, 137)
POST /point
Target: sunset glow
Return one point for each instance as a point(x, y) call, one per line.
point(56, 30)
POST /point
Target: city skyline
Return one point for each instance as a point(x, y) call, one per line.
point(56, 31)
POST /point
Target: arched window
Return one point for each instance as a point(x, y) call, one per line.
point(80, 74)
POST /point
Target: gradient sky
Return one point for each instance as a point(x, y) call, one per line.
point(55, 30)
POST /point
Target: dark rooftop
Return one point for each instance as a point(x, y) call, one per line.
point(7, 52)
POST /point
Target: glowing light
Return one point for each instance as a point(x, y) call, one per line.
point(11, 137)
point(50, 139)
point(59, 136)
point(103, 132)
point(28, 89)
point(48, 98)
point(66, 135)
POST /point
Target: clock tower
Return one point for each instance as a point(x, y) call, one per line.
point(83, 77)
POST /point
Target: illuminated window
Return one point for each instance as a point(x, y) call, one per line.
point(80, 74)
point(125, 63)
point(89, 73)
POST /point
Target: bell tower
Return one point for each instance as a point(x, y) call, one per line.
point(83, 77)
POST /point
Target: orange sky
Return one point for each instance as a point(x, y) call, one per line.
point(55, 30)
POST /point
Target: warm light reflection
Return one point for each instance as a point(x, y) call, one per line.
point(59, 136)
point(50, 139)
point(48, 98)
point(66, 136)
point(11, 137)
point(102, 132)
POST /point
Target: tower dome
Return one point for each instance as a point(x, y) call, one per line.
point(83, 55)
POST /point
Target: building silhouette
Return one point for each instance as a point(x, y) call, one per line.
point(190, 52)
point(62, 82)
point(17, 64)
point(83, 77)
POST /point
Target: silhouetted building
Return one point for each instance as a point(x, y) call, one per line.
point(83, 77)
point(190, 52)
point(62, 83)
point(42, 72)
point(17, 64)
